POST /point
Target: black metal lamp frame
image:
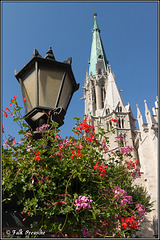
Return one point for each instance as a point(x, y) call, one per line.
point(57, 113)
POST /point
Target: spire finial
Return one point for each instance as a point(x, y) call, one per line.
point(95, 14)
point(95, 27)
point(49, 54)
point(36, 53)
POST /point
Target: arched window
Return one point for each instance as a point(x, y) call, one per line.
point(119, 109)
point(119, 123)
point(122, 123)
point(99, 70)
point(103, 94)
point(94, 97)
point(107, 126)
point(107, 111)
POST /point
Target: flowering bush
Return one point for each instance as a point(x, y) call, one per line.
point(69, 184)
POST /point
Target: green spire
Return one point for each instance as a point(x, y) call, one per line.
point(98, 57)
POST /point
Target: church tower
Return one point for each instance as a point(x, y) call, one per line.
point(103, 100)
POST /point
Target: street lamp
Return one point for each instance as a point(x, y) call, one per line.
point(48, 86)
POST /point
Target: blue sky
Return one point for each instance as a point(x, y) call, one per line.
point(129, 34)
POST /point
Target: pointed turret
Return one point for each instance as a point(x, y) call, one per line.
point(98, 61)
point(148, 114)
point(139, 117)
point(156, 108)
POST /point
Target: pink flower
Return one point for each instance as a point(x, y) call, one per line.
point(121, 195)
point(28, 135)
point(82, 202)
point(43, 127)
point(136, 173)
point(6, 144)
point(80, 146)
point(14, 142)
point(28, 148)
point(85, 232)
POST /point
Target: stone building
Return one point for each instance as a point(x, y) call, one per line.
point(146, 143)
point(103, 101)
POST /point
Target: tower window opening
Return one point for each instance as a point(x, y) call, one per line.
point(122, 123)
point(107, 111)
point(107, 126)
point(121, 140)
point(99, 70)
point(94, 97)
point(119, 123)
point(103, 93)
point(119, 109)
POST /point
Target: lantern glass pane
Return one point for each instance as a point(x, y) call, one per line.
point(29, 89)
point(49, 84)
point(66, 92)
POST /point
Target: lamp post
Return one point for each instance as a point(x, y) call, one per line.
point(48, 86)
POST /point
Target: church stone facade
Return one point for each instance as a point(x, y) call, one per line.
point(103, 101)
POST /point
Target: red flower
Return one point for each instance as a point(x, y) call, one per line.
point(24, 99)
point(104, 223)
point(36, 154)
point(12, 100)
point(96, 166)
point(76, 155)
point(113, 120)
point(101, 169)
point(74, 236)
point(2, 129)
point(102, 175)
point(37, 158)
point(124, 225)
point(5, 114)
point(129, 223)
